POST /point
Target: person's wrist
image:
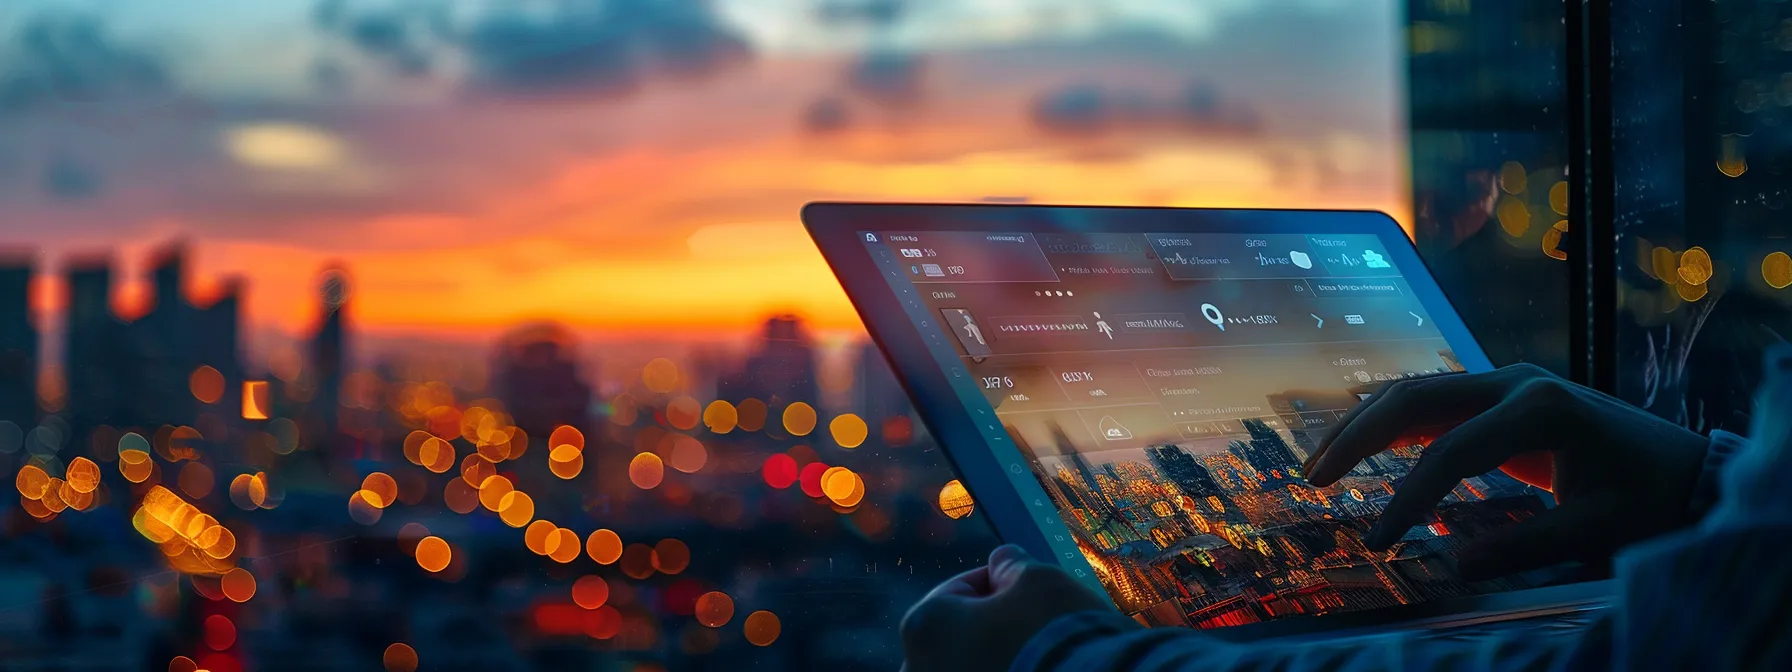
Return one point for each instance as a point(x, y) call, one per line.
point(1065, 633)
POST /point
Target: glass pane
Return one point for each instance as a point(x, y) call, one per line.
point(1703, 100)
point(1489, 160)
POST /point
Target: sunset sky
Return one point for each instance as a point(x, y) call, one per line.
point(636, 167)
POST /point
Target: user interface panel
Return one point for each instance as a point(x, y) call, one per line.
point(1156, 394)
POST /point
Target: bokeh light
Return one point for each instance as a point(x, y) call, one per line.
point(810, 478)
point(660, 375)
point(1695, 267)
point(383, 485)
point(433, 554)
point(460, 497)
point(409, 536)
point(688, 454)
point(206, 384)
point(714, 609)
point(720, 417)
point(780, 471)
point(671, 556)
point(955, 501)
point(604, 546)
point(752, 414)
point(683, 413)
point(566, 546)
point(646, 471)
point(82, 474)
point(516, 509)
point(492, 492)
point(566, 462)
point(637, 561)
point(849, 430)
point(761, 628)
point(1776, 269)
point(590, 592)
point(196, 480)
point(799, 419)
point(364, 507)
point(182, 664)
point(566, 435)
point(399, 657)
point(238, 585)
point(220, 633)
point(537, 536)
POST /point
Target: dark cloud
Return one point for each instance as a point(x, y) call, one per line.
point(1095, 108)
point(64, 60)
point(888, 77)
point(68, 180)
point(584, 46)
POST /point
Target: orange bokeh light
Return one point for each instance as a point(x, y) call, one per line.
point(433, 554)
point(604, 546)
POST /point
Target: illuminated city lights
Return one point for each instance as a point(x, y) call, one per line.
point(399, 657)
point(604, 547)
point(714, 609)
point(433, 554)
point(955, 501)
point(761, 628)
point(671, 556)
point(799, 419)
point(849, 430)
point(238, 585)
point(646, 471)
point(590, 592)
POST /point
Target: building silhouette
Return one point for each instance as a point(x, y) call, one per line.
point(877, 395)
point(535, 372)
point(780, 370)
point(1267, 453)
point(18, 343)
point(1184, 470)
point(324, 363)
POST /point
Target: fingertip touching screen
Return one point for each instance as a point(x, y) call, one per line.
point(1158, 387)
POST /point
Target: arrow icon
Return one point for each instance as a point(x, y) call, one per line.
point(1321, 320)
point(1416, 315)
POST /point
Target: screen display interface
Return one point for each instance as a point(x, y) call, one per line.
point(1160, 392)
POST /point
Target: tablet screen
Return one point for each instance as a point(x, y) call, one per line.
point(1162, 390)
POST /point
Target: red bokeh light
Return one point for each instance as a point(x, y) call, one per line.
point(780, 471)
point(681, 597)
point(811, 478)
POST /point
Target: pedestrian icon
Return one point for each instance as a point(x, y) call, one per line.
point(1102, 326)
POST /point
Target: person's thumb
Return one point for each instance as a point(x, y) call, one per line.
point(1005, 565)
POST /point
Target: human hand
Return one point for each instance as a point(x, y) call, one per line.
point(979, 620)
point(1619, 474)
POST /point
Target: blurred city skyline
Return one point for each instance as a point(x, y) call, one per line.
point(634, 170)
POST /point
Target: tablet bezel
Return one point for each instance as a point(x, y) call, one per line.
point(837, 226)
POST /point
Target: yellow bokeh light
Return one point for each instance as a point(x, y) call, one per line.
point(1776, 269)
point(1552, 241)
point(1512, 177)
point(660, 375)
point(1691, 292)
point(436, 455)
point(567, 435)
point(537, 536)
point(382, 484)
point(762, 628)
point(433, 554)
point(475, 470)
point(516, 509)
point(836, 483)
point(82, 474)
point(1695, 267)
point(849, 430)
point(799, 419)
point(566, 462)
point(1514, 217)
point(135, 465)
point(493, 490)
point(1666, 264)
point(255, 400)
point(604, 546)
point(1558, 198)
point(720, 417)
point(955, 501)
point(32, 482)
point(364, 507)
point(646, 471)
point(566, 546)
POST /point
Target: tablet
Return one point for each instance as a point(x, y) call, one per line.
point(1131, 392)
